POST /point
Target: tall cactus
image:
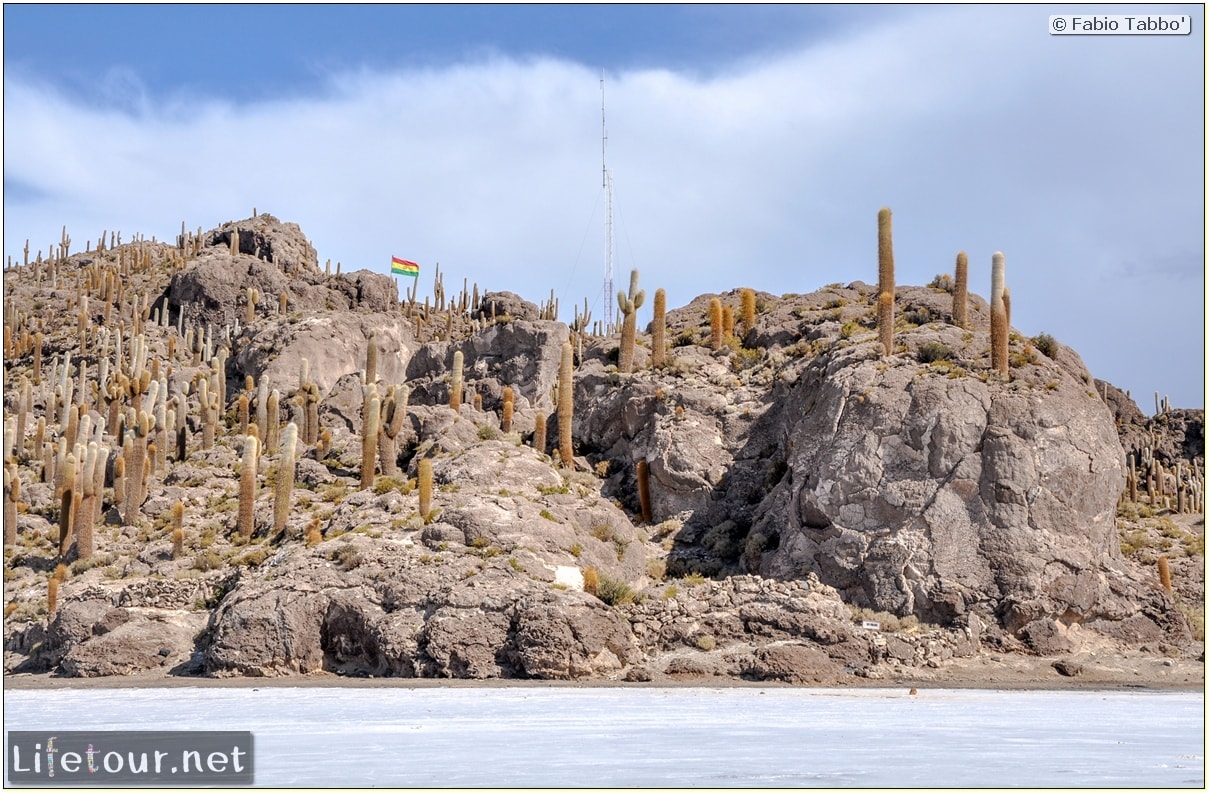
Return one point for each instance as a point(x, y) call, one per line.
point(885, 321)
point(311, 414)
point(659, 330)
point(747, 310)
point(885, 280)
point(178, 529)
point(644, 489)
point(425, 484)
point(507, 410)
point(247, 487)
point(539, 432)
point(12, 494)
point(999, 320)
point(885, 253)
point(565, 406)
point(455, 385)
point(716, 330)
point(394, 413)
point(284, 483)
point(67, 504)
point(88, 505)
point(961, 292)
point(136, 469)
point(370, 419)
point(629, 305)
point(250, 309)
point(371, 359)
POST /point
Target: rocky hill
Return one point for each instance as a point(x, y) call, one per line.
point(222, 459)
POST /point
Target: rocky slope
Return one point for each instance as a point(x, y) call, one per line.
point(800, 481)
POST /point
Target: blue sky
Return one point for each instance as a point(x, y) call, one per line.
point(749, 146)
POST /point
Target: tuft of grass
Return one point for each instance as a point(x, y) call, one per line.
point(347, 556)
point(207, 560)
point(694, 578)
point(613, 591)
point(1046, 345)
point(931, 351)
point(706, 642)
point(548, 515)
point(890, 623)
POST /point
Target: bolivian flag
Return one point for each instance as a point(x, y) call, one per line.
point(403, 267)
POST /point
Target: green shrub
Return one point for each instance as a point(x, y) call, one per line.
point(206, 561)
point(1046, 344)
point(348, 556)
point(931, 351)
point(613, 591)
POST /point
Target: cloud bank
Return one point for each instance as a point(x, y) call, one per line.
point(1081, 158)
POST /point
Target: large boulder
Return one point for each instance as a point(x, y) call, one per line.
point(935, 491)
point(275, 259)
point(333, 343)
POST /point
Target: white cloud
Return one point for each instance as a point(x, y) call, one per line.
point(1081, 158)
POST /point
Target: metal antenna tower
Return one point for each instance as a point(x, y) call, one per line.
point(607, 184)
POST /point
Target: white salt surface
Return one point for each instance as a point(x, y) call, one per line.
point(659, 737)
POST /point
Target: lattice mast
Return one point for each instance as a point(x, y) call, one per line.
point(607, 184)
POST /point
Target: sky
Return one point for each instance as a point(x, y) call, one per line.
point(747, 145)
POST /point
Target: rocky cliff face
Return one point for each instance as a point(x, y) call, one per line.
point(798, 477)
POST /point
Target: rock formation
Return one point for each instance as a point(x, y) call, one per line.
point(801, 481)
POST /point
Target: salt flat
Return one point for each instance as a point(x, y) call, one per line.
point(668, 737)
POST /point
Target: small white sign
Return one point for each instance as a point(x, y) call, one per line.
point(871, 625)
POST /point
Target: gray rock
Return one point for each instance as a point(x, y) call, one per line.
point(502, 305)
